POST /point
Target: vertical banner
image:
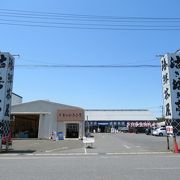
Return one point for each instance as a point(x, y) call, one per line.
point(6, 83)
point(170, 64)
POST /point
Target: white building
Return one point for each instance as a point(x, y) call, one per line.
point(38, 119)
point(16, 99)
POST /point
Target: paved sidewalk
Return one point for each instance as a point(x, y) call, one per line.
point(45, 146)
point(104, 144)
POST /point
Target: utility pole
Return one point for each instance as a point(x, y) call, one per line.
point(163, 118)
point(170, 63)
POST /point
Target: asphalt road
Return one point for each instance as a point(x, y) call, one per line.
point(113, 156)
point(86, 167)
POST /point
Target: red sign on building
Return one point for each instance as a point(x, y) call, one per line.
point(70, 115)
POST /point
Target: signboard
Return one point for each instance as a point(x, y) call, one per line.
point(140, 124)
point(103, 123)
point(6, 81)
point(170, 65)
point(169, 130)
point(70, 115)
point(171, 85)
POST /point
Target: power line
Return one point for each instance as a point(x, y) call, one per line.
point(87, 66)
point(92, 28)
point(102, 19)
point(64, 18)
point(38, 13)
point(70, 21)
point(82, 24)
point(43, 61)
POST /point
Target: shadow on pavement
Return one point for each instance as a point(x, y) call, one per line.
point(11, 151)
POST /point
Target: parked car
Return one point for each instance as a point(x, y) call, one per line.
point(160, 132)
point(148, 131)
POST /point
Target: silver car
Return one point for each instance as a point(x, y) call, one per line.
point(160, 132)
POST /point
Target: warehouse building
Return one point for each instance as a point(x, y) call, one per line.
point(131, 120)
point(39, 119)
point(42, 118)
point(16, 99)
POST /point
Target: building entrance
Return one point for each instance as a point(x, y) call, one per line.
point(25, 126)
point(104, 128)
point(72, 130)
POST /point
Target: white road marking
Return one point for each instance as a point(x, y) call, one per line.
point(106, 155)
point(163, 168)
point(34, 156)
point(141, 153)
point(62, 148)
point(127, 147)
point(85, 150)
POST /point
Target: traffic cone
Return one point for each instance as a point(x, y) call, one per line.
point(176, 149)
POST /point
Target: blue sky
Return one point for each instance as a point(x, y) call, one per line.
point(131, 88)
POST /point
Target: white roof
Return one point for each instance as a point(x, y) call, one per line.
point(40, 106)
point(119, 114)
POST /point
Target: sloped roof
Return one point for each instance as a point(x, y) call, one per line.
point(40, 106)
point(119, 114)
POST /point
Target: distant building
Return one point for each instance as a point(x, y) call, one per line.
point(41, 118)
point(118, 119)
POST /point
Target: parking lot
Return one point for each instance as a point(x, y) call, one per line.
point(113, 156)
point(120, 143)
